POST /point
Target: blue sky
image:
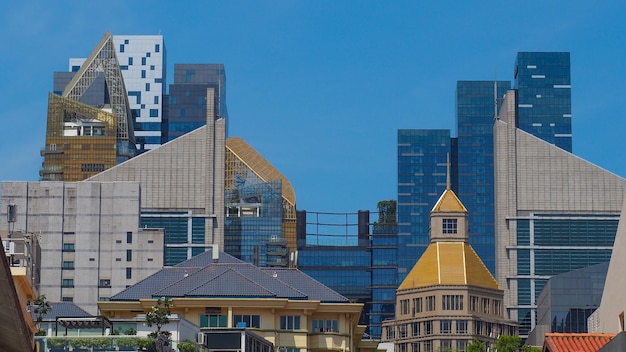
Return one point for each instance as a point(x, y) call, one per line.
point(320, 88)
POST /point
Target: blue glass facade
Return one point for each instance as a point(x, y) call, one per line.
point(384, 244)
point(475, 113)
point(422, 174)
point(254, 216)
point(187, 97)
point(180, 229)
point(552, 244)
point(544, 96)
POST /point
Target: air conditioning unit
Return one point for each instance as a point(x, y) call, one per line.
point(201, 339)
point(9, 247)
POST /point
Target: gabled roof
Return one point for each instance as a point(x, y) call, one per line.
point(575, 342)
point(62, 309)
point(449, 263)
point(228, 277)
point(449, 202)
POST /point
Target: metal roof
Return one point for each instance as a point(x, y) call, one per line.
point(228, 277)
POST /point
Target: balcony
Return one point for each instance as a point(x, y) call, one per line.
point(51, 150)
point(328, 341)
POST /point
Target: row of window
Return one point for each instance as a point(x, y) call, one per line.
point(427, 346)
point(287, 322)
point(451, 302)
point(427, 328)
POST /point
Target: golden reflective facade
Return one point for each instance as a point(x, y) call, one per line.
point(80, 140)
point(244, 164)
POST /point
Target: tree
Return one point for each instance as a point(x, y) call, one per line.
point(507, 343)
point(529, 348)
point(476, 346)
point(387, 211)
point(41, 308)
point(159, 314)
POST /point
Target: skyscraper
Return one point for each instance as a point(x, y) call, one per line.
point(543, 83)
point(187, 98)
point(475, 113)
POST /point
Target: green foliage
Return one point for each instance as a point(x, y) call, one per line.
point(476, 346)
point(507, 343)
point(41, 307)
point(57, 342)
point(41, 332)
point(130, 331)
point(188, 346)
point(159, 314)
point(91, 342)
point(529, 348)
point(387, 211)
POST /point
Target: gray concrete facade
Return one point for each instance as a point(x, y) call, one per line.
point(534, 177)
point(91, 243)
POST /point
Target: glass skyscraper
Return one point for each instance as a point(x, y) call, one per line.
point(543, 82)
point(187, 105)
point(476, 110)
point(422, 174)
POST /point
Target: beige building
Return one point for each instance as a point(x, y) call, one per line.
point(285, 306)
point(449, 297)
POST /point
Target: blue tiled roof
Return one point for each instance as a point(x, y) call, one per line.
point(62, 309)
point(201, 276)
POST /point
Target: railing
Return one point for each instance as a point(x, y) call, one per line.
point(116, 343)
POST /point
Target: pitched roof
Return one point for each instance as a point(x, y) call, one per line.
point(449, 263)
point(228, 277)
point(449, 202)
point(575, 342)
point(62, 309)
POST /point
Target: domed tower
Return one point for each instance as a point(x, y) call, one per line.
point(449, 297)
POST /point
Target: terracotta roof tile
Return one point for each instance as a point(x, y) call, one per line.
point(575, 342)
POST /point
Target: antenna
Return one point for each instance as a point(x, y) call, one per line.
point(495, 95)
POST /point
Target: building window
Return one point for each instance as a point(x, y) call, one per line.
point(68, 265)
point(67, 299)
point(68, 247)
point(156, 99)
point(461, 345)
point(404, 306)
point(325, 325)
point(497, 306)
point(129, 237)
point(104, 299)
point(143, 61)
point(390, 333)
point(402, 347)
point(430, 303)
point(129, 255)
point(67, 283)
point(154, 112)
point(473, 304)
point(121, 48)
point(415, 347)
point(445, 326)
point(452, 302)
point(478, 327)
point(130, 61)
point(290, 322)
point(428, 346)
point(428, 327)
point(104, 283)
point(445, 345)
point(213, 321)
point(250, 320)
point(157, 48)
point(402, 331)
point(129, 273)
point(417, 305)
point(147, 87)
point(143, 73)
point(461, 326)
point(484, 305)
point(449, 226)
point(415, 329)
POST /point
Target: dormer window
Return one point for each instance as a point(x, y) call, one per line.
point(449, 226)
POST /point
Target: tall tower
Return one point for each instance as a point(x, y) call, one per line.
point(544, 103)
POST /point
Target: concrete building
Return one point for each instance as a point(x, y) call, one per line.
point(609, 317)
point(91, 243)
point(554, 213)
point(449, 297)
